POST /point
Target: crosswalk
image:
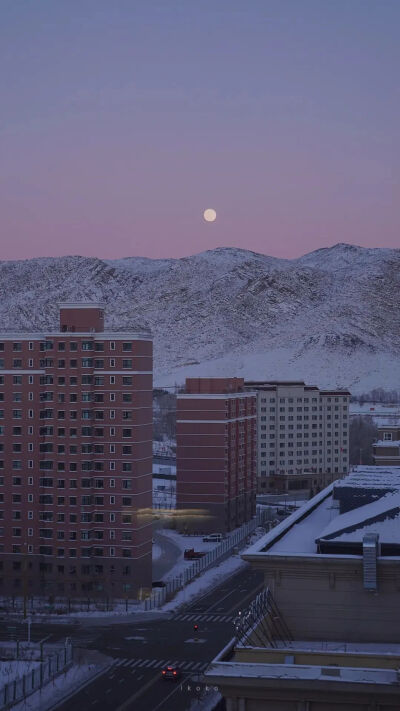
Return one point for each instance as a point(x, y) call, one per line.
point(204, 618)
point(133, 664)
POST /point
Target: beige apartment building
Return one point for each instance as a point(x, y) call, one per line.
point(302, 436)
point(324, 634)
point(386, 450)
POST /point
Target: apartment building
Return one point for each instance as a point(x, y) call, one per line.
point(76, 458)
point(386, 450)
point(302, 435)
point(216, 454)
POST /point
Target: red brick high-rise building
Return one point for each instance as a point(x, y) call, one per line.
point(216, 454)
point(76, 458)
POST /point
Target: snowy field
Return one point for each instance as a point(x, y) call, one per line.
point(11, 670)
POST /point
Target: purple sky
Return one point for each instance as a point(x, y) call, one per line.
point(122, 121)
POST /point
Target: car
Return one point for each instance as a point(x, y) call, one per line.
point(172, 673)
point(213, 538)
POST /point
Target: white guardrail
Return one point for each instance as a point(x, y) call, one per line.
point(160, 595)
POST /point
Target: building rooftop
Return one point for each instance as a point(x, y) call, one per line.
point(367, 500)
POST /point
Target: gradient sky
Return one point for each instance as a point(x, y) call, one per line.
point(122, 120)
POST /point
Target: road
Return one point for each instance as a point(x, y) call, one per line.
point(140, 649)
point(170, 555)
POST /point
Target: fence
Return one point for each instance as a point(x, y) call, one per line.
point(51, 605)
point(160, 595)
point(20, 688)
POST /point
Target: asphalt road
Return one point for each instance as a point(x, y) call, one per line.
point(139, 650)
point(170, 555)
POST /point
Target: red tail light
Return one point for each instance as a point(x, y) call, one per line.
point(174, 673)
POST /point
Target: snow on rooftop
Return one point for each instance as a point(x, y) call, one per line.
point(319, 645)
point(297, 671)
point(371, 476)
point(387, 443)
point(297, 534)
point(381, 516)
point(301, 536)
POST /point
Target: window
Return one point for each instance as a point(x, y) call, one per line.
point(127, 347)
point(127, 363)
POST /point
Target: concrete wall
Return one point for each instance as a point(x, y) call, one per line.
point(323, 598)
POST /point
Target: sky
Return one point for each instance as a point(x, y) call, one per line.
point(122, 121)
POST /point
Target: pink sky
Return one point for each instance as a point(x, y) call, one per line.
point(122, 122)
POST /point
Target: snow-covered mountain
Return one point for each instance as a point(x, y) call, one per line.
point(331, 317)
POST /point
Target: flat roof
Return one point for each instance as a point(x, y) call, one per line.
point(320, 518)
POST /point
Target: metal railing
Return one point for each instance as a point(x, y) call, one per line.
point(36, 678)
point(173, 585)
point(262, 624)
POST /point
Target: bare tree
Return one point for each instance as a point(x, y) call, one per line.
point(363, 432)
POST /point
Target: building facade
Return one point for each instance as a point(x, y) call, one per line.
point(216, 454)
point(302, 435)
point(386, 450)
point(76, 458)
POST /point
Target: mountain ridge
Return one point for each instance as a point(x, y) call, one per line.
point(331, 316)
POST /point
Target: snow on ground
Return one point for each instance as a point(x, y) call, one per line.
point(205, 582)
point(167, 469)
point(164, 493)
point(11, 670)
point(184, 542)
point(210, 578)
point(157, 551)
point(66, 683)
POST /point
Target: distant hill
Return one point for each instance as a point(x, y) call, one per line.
point(331, 317)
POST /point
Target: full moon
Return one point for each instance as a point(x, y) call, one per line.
point(210, 215)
